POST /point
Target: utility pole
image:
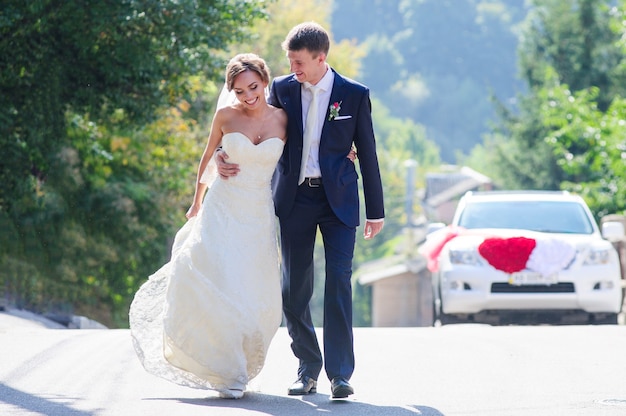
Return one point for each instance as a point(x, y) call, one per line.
point(411, 166)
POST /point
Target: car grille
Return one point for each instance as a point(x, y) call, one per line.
point(561, 287)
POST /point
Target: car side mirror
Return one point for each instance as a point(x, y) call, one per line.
point(613, 230)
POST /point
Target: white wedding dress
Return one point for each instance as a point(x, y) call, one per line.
point(206, 318)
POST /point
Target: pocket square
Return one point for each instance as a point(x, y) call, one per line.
point(341, 118)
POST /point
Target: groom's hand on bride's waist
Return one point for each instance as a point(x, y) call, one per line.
point(224, 168)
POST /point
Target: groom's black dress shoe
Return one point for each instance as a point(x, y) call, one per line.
point(340, 388)
point(303, 385)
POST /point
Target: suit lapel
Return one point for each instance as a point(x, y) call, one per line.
point(338, 90)
point(336, 95)
point(295, 110)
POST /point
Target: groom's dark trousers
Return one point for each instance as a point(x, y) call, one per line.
point(297, 240)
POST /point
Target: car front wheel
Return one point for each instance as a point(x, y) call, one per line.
point(604, 319)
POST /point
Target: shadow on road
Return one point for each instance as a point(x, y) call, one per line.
point(49, 406)
point(307, 405)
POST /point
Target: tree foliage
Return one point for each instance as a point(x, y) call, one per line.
point(436, 62)
point(589, 146)
point(96, 138)
point(97, 57)
point(576, 40)
point(568, 132)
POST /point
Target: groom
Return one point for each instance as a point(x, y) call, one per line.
point(315, 185)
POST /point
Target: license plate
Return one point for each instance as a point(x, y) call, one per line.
point(532, 278)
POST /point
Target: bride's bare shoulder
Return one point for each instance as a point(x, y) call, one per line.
point(229, 109)
point(279, 117)
point(228, 112)
point(278, 112)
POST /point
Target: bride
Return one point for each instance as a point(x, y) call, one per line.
point(206, 318)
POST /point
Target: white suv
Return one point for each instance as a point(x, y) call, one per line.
point(525, 257)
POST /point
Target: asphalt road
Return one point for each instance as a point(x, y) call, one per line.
point(452, 370)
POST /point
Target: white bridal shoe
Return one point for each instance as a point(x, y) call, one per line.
point(231, 394)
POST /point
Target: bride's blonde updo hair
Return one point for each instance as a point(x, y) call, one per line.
point(246, 62)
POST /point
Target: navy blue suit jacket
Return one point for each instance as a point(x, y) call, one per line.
point(339, 174)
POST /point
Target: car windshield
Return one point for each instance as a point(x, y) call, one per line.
point(544, 216)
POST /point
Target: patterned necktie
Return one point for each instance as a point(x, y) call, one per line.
point(310, 130)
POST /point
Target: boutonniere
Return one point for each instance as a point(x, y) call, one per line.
point(334, 110)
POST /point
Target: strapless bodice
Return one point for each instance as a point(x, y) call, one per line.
point(256, 161)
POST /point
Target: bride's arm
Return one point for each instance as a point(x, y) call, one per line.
point(215, 139)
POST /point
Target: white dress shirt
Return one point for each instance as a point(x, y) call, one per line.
point(312, 169)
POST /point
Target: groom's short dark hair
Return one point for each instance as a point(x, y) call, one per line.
point(308, 35)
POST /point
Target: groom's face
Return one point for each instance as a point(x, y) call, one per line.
point(306, 66)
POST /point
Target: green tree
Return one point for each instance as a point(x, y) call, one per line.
point(437, 62)
point(576, 39)
point(97, 57)
point(85, 191)
point(568, 45)
point(589, 145)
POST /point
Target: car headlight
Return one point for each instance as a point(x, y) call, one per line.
point(595, 257)
point(468, 257)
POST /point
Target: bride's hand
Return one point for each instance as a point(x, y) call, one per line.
point(352, 154)
point(192, 211)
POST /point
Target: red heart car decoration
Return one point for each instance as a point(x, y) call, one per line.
point(507, 254)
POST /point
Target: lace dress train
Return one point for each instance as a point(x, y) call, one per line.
point(207, 317)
